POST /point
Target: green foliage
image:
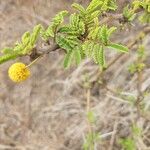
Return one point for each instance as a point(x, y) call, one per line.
point(24, 47)
point(69, 35)
point(98, 39)
point(94, 51)
point(68, 39)
point(53, 27)
point(132, 68)
point(91, 117)
point(128, 144)
point(128, 13)
point(101, 34)
point(9, 56)
point(95, 8)
point(7, 50)
point(144, 4)
point(136, 130)
point(81, 37)
point(138, 66)
point(72, 46)
point(103, 5)
point(90, 140)
point(99, 56)
point(76, 26)
point(73, 54)
point(68, 58)
point(79, 8)
point(67, 42)
point(145, 18)
point(118, 47)
point(141, 52)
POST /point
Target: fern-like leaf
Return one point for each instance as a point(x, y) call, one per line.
point(99, 56)
point(79, 8)
point(68, 59)
point(52, 28)
point(118, 47)
point(8, 57)
point(77, 55)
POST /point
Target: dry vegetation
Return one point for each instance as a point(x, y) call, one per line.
point(48, 111)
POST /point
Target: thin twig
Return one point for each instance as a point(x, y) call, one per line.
point(113, 136)
point(88, 100)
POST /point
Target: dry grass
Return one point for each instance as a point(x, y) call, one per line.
point(48, 111)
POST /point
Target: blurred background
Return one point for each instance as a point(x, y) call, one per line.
point(48, 112)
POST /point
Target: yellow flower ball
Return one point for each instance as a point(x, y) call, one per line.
point(18, 72)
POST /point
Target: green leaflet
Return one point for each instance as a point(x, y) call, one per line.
point(94, 34)
point(128, 13)
point(95, 14)
point(110, 31)
point(73, 49)
point(99, 55)
point(67, 42)
point(109, 4)
point(53, 27)
point(59, 18)
point(64, 43)
point(68, 59)
point(24, 47)
point(88, 48)
point(67, 38)
point(78, 55)
point(145, 4)
point(76, 26)
point(103, 5)
point(29, 40)
point(94, 51)
point(95, 8)
point(74, 54)
point(26, 38)
point(118, 47)
point(80, 8)
point(91, 138)
point(112, 5)
point(8, 57)
point(6, 50)
point(68, 30)
point(35, 34)
point(128, 144)
point(91, 117)
point(103, 34)
point(94, 5)
point(137, 131)
point(145, 17)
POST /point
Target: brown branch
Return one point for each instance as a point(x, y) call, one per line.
point(40, 52)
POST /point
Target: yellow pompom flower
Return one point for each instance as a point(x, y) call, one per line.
point(18, 72)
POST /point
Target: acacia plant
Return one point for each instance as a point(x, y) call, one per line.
point(86, 34)
point(83, 36)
